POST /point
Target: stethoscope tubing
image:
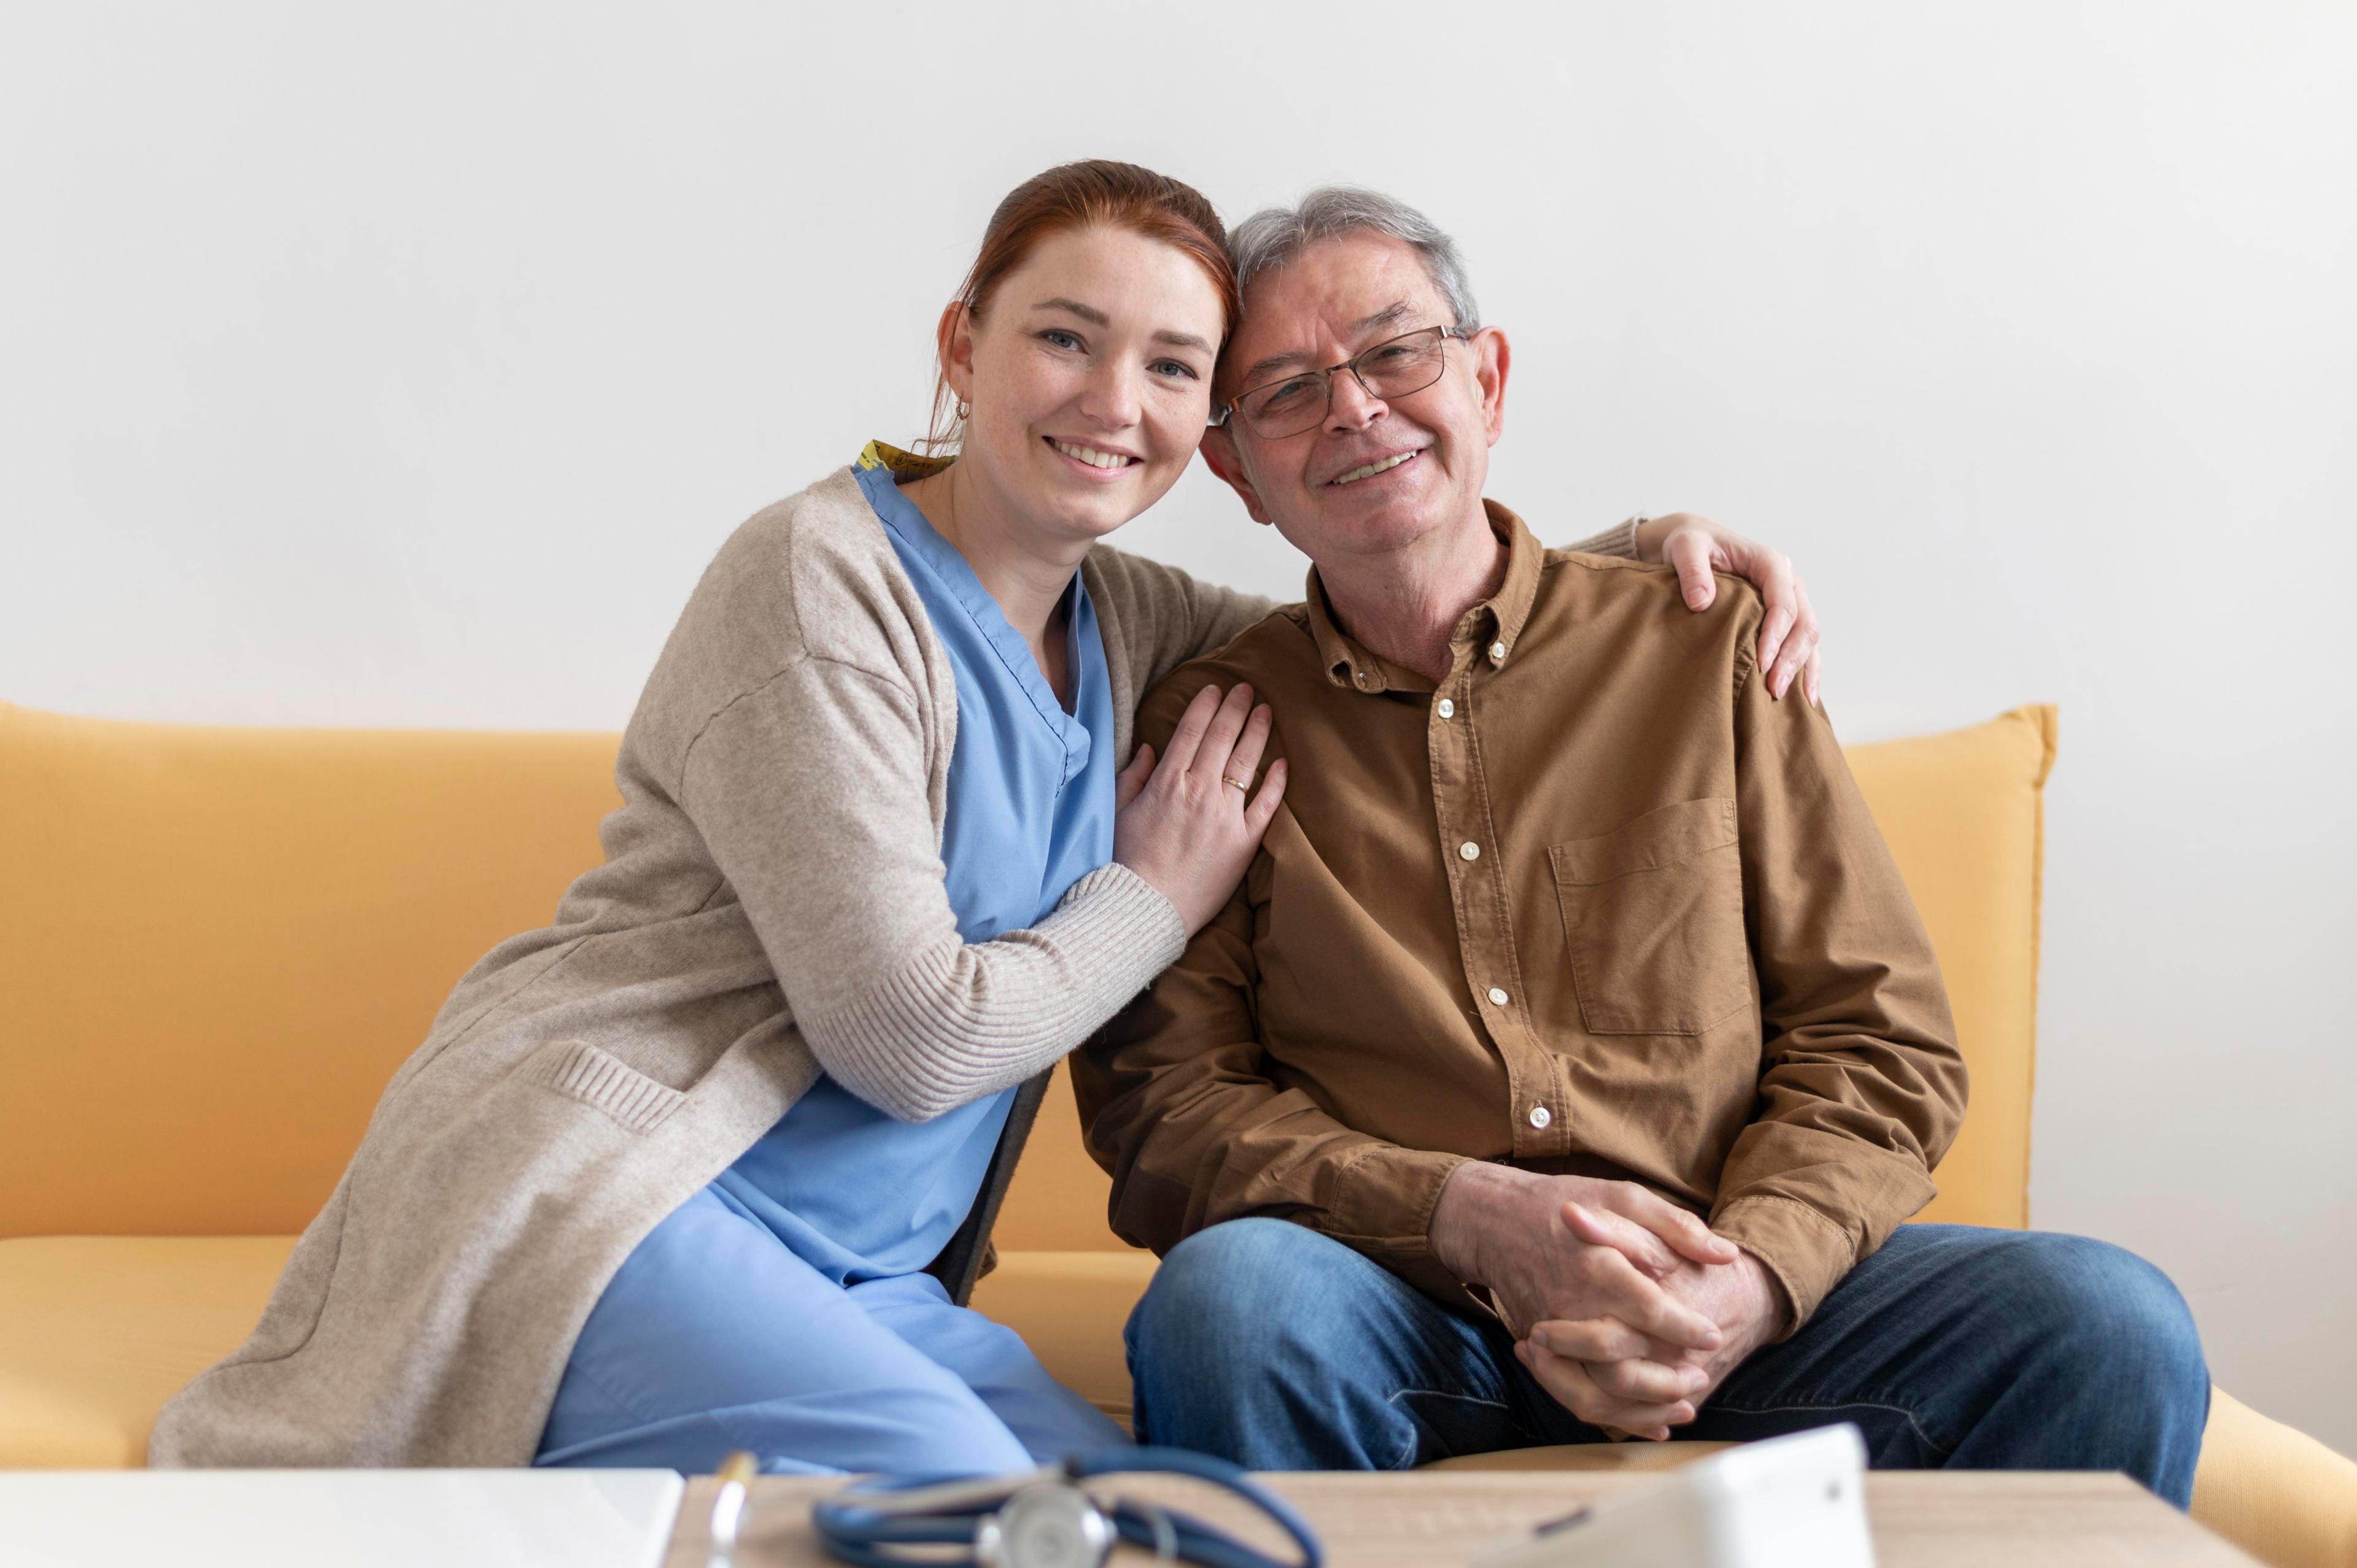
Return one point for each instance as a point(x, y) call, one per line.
point(868, 1524)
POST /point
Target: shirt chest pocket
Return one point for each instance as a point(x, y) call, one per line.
point(1652, 917)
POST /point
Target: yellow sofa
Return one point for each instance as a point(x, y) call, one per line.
point(217, 944)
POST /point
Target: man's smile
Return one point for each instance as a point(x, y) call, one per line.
point(1380, 465)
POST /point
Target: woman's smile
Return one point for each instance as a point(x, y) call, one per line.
point(1096, 462)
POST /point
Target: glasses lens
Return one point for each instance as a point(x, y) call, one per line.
point(1285, 408)
point(1408, 363)
point(1403, 365)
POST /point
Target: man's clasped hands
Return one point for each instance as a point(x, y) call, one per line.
point(1625, 1307)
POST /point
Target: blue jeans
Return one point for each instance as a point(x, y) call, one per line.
point(1268, 1343)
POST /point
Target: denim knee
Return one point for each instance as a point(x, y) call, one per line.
point(1223, 1293)
point(1270, 1345)
point(2111, 1317)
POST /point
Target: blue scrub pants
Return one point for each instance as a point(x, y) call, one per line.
point(712, 1336)
point(1953, 1347)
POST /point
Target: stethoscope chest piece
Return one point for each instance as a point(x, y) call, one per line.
point(1052, 1525)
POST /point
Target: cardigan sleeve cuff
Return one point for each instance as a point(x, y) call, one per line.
point(1115, 905)
point(1620, 540)
point(931, 1038)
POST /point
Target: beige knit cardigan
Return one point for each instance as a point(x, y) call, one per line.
point(771, 906)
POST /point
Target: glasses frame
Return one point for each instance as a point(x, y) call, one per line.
point(1233, 408)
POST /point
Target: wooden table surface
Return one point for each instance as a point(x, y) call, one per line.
point(1920, 1519)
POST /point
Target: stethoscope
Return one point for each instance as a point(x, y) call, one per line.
point(1033, 1518)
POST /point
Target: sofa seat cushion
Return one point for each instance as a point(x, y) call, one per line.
point(96, 1332)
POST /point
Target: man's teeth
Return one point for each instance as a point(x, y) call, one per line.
point(1374, 468)
point(1090, 455)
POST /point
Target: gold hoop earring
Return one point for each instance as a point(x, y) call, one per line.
point(964, 408)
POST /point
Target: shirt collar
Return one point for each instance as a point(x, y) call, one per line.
point(1489, 628)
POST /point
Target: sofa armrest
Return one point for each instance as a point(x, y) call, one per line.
point(2278, 1493)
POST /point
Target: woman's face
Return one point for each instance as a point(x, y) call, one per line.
point(1089, 374)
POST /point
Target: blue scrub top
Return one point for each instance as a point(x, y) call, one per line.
point(853, 1192)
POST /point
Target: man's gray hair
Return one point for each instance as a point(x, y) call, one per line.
point(1272, 237)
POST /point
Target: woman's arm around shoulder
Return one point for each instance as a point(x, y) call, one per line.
point(812, 794)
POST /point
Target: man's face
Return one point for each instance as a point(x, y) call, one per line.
point(1335, 299)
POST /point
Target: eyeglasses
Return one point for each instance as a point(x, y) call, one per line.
point(1393, 368)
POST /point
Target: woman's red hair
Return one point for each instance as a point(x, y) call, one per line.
point(1097, 193)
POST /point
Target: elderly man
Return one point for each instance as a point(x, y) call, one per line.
point(1568, 940)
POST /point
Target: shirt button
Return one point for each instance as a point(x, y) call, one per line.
point(1497, 653)
point(1539, 1117)
point(1448, 709)
point(1497, 997)
point(1468, 850)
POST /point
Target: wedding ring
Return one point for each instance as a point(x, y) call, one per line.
point(1242, 784)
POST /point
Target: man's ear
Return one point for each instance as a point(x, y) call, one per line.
point(1491, 359)
point(954, 342)
point(1220, 456)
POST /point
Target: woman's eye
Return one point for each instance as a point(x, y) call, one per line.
point(1174, 367)
point(1060, 338)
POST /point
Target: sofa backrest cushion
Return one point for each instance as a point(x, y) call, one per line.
point(216, 945)
point(1965, 814)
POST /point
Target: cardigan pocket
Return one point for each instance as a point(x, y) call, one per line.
point(599, 1078)
point(1653, 919)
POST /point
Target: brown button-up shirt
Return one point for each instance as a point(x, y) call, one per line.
point(1594, 905)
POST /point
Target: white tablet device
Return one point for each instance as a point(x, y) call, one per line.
point(1787, 1502)
point(338, 1518)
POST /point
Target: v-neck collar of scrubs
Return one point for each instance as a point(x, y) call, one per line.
point(924, 544)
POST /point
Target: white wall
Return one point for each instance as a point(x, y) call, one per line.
point(404, 364)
